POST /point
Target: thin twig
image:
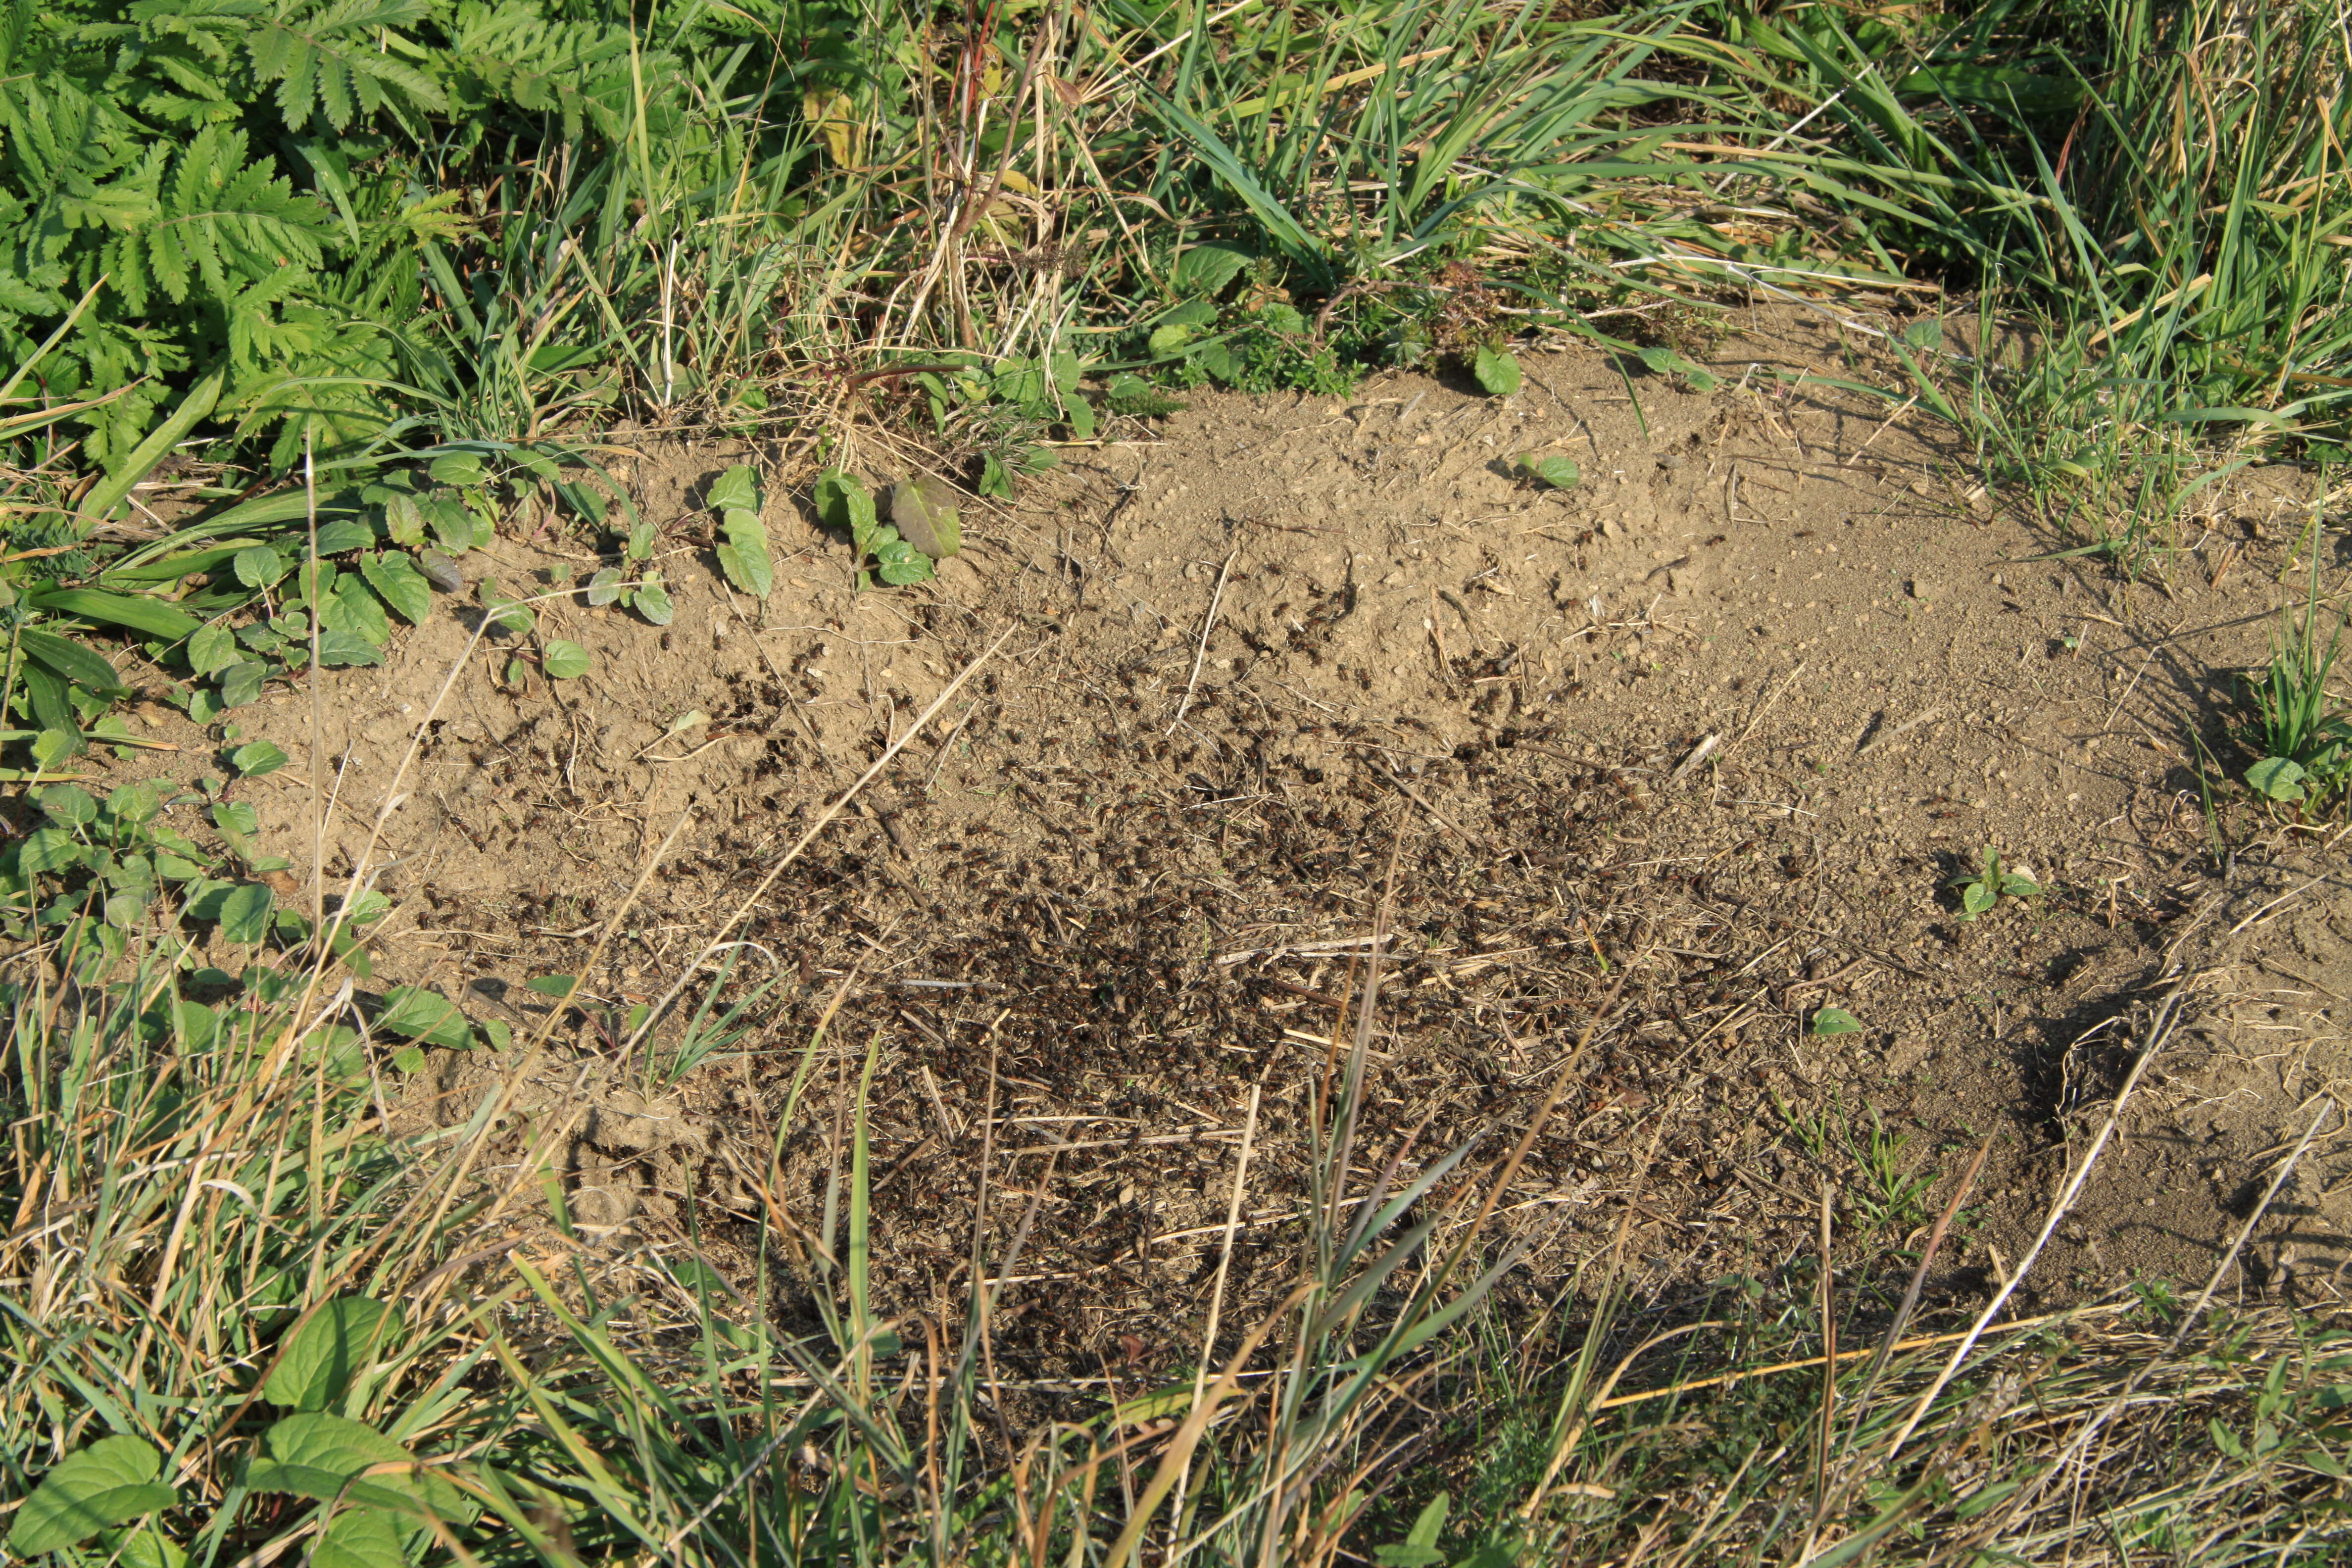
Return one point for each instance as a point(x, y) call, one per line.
point(1201, 652)
point(2168, 1017)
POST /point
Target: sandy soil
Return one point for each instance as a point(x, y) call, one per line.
point(1677, 758)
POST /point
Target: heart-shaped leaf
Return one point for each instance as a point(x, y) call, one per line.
point(334, 1345)
point(1497, 370)
point(2281, 778)
point(108, 1483)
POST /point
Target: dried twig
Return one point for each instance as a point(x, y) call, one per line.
point(1207, 625)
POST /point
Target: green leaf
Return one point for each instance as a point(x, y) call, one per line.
point(1497, 370)
point(395, 576)
point(51, 747)
point(1166, 340)
point(897, 563)
point(236, 819)
point(337, 647)
point(134, 803)
point(425, 1017)
point(48, 849)
point(744, 557)
point(559, 986)
point(111, 491)
point(737, 490)
point(1977, 897)
point(245, 914)
point(317, 1454)
point(259, 567)
point(351, 607)
point(605, 587)
point(652, 600)
point(153, 616)
point(70, 659)
point(460, 469)
point(253, 760)
point(1835, 1021)
point(565, 661)
point(1206, 270)
point(841, 501)
point(69, 806)
point(2281, 778)
point(360, 1538)
point(240, 683)
point(319, 1359)
point(403, 521)
point(212, 647)
point(111, 1482)
point(1662, 361)
point(1558, 473)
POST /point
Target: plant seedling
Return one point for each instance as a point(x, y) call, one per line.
point(1991, 883)
point(1552, 473)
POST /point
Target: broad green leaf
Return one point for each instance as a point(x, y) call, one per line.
point(897, 563)
point(1082, 418)
point(69, 804)
point(352, 607)
point(319, 1359)
point(1063, 367)
point(336, 538)
point(1205, 270)
point(1976, 899)
point(245, 914)
point(736, 489)
point(48, 849)
point(360, 1538)
point(51, 747)
point(108, 1483)
point(2281, 778)
point(843, 502)
point(559, 986)
point(605, 587)
point(236, 819)
point(210, 648)
point(1557, 472)
point(317, 1454)
point(240, 683)
point(413, 1013)
point(258, 567)
point(744, 557)
point(1835, 1021)
point(259, 758)
point(134, 803)
point(652, 600)
point(461, 469)
point(337, 647)
point(395, 576)
point(1168, 339)
point(144, 1547)
point(70, 659)
point(1497, 370)
point(565, 661)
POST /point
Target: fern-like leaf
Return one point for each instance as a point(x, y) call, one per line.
point(342, 60)
point(512, 53)
point(221, 219)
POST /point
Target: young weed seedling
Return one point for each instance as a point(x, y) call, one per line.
point(1992, 882)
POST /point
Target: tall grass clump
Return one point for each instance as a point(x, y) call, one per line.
point(249, 1320)
point(2150, 201)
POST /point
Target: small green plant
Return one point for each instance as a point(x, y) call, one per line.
point(876, 550)
point(1830, 1021)
point(1661, 361)
point(1893, 1195)
point(1981, 892)
point(1553, 473)
point(632, 584)
point(744, 557)
point(1496, 371)
point(2301, 736)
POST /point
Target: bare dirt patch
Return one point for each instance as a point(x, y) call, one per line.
point(1676, 758)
